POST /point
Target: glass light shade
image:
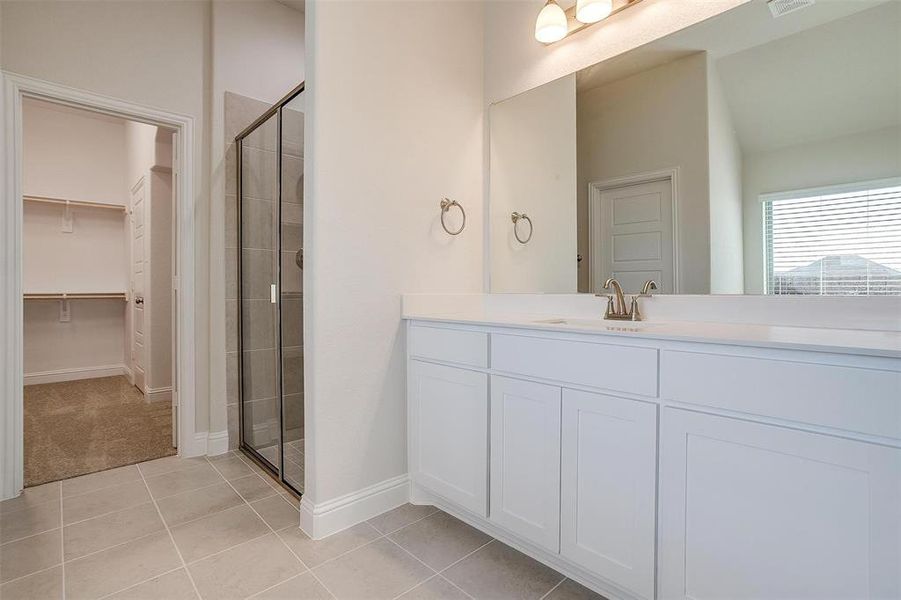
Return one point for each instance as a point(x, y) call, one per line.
point(592, 11)
point(551, 24)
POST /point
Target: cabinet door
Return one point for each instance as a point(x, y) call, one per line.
point(757, 511)
point(609, 488)
point(449, 433)
point(525, 460)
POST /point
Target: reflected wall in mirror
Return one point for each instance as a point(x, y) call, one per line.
point(746, 154)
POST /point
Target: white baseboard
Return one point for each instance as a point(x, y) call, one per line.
point(75, 374)
point(158, 394)
point(323, 519)
point(206, 444)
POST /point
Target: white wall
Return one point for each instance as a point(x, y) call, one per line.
point(150, 52)
point(515, 62)
point(257, 52)
point(726, 247)
point(73, 155)
point(371, 227)
point(858, 157)
point(533, 171)
point(651, 121)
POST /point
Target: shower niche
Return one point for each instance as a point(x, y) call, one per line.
point(270, 289)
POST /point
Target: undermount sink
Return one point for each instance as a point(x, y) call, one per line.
point(598, 324)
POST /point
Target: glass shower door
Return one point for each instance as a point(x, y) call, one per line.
point(292, 128)
point(258, 280)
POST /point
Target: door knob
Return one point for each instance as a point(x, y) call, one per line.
point(139, 300)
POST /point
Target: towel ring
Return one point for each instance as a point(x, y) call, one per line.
point(516, 217)
point(445, 207)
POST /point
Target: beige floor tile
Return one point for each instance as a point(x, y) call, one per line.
point(181, 481)
point(31, 496)
point(316, 552)
point(111, 529)
point(92, 504)
point(301, 587)
point(45, 585)
point(31, 554)
point(253, 487)
point(436, 588)
point(29, 520)
point(168, 464)
point(570, 590)
point(245, 570)
point(198, 503)
point(120, 567)
point(232, 467)
point(381, 570)
point(440, 540)
point(498, 571)
point(217, 532)
point(175, 585)
point(277, 512)
point(101, 479)
point(400, 517)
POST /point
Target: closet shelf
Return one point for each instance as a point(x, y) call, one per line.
point(76, 203)
point(77, 296)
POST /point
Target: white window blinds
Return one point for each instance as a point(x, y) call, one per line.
point(837, 241)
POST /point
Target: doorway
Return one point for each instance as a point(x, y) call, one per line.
point(97, 289)
point(270, 290)
point(632, 234)
point(18, 89)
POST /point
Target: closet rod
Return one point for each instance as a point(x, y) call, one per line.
point(85, 203)
point(77, 296)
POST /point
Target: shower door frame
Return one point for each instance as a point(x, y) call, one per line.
point(277, 470)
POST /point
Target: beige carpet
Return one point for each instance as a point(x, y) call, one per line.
point(79, 427)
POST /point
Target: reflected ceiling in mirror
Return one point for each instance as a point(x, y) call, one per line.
point(747, 154)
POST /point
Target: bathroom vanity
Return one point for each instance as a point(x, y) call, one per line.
point(666, 460)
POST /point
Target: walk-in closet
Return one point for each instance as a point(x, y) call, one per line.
point(97, 258)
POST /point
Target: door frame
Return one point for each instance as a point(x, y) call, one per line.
point(595, 188)
point(15, 88)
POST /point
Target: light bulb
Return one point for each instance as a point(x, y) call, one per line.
point(551, 26)
point(592, 11)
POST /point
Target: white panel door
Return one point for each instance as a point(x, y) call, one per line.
point(140, 278)
point(525, 459)
point(631, 235)
point(757, 511)
point(609, 488)
point(449, 433)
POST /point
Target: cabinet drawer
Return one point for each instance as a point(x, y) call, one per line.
point(612, 367)
point(449, 345)
point(849, 398)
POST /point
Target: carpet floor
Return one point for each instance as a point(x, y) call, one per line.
point(78, 427)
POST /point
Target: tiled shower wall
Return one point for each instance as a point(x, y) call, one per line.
point(259, 261)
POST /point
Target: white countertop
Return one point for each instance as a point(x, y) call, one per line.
point(842, 341)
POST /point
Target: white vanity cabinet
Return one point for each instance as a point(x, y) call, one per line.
point(525, 459)
point(650, 468)
point(750, 510)
point(448, 433)
point(609, 487)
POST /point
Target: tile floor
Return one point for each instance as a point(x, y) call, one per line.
point(173, 529)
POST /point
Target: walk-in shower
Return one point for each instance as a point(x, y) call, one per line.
point(270, 289)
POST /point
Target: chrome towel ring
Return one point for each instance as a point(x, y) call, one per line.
point(516, 218)
point(445, 207)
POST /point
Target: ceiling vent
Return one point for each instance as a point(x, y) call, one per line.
point(780, 8)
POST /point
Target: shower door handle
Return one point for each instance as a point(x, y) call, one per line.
point(298, 258)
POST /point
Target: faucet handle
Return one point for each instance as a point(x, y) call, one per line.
point(634, 311)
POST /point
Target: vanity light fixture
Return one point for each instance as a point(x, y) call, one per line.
point(553, 23)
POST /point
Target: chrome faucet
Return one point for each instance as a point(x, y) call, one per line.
point(616, 302)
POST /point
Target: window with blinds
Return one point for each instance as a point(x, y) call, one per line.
point(836, 241)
